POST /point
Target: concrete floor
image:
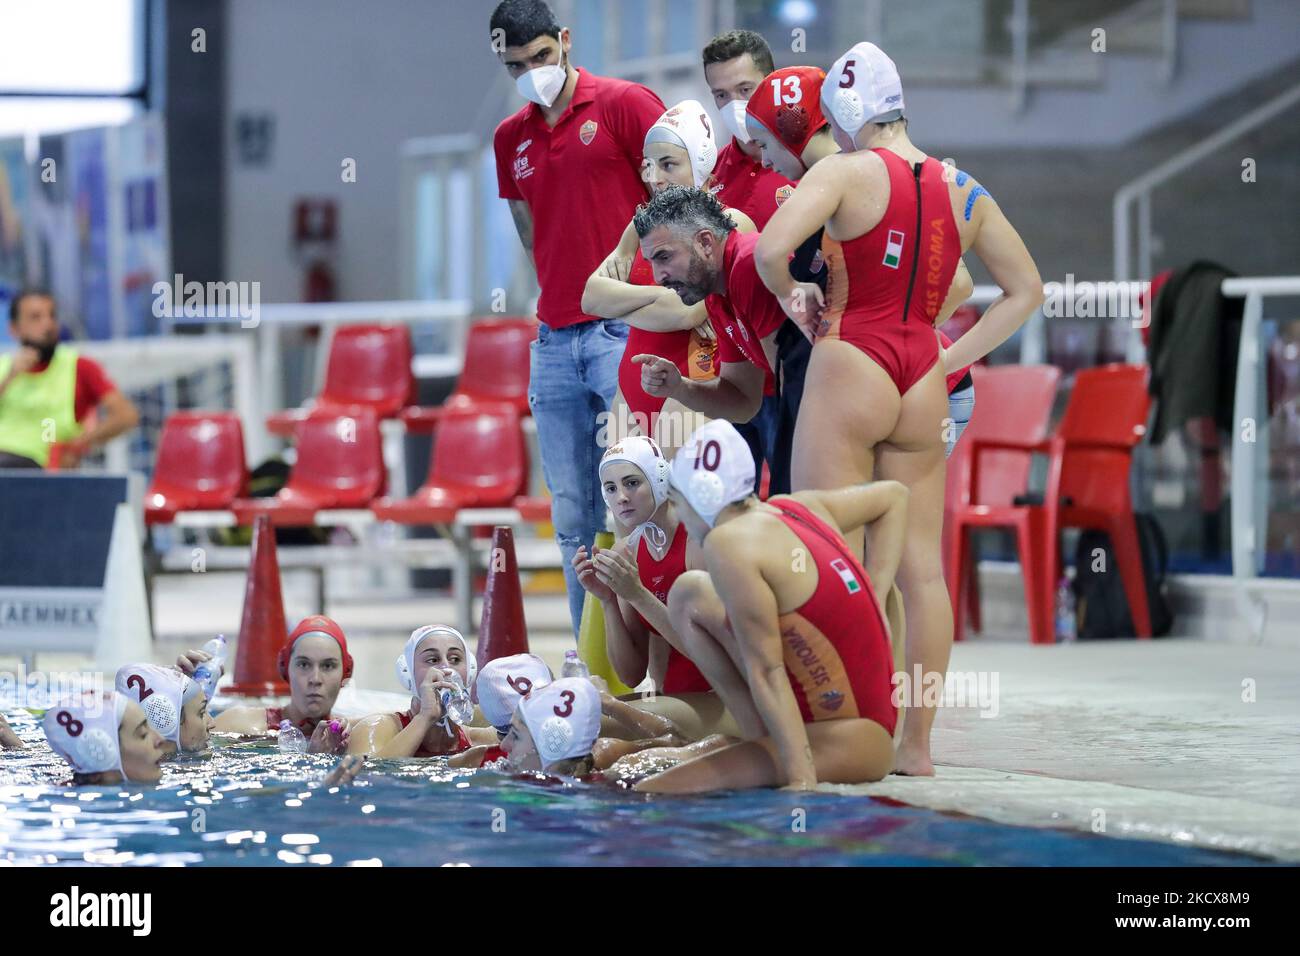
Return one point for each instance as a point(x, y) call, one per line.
point(1176, 740)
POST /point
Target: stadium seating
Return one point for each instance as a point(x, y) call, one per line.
point(369, 365)
point(340, 465)
point(497, 354)
point(200, 465)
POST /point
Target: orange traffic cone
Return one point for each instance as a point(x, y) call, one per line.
point(502, 631)
point(262, 629)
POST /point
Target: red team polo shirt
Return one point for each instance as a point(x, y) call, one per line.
point(581, 180)
point(748, 313)
point(744, 184)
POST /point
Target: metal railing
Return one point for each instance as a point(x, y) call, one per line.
point(1250, 506)
point(1139, 190)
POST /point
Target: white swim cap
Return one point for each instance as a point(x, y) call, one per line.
point(83, 731)
point(504, 682)
point(645, 454)
point(713, 469)
point(563, 717)
point(687, 125)
point(161, 692)
point(862, 87)
point(406, 659)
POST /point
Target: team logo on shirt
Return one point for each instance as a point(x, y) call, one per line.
point(523, 146)
point(521, 168)
point(831, 700)
point(783, 193)
point(588, 132)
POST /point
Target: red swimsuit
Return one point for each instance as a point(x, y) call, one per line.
point(276, 714)
point(694, 357)
point(835, 646)
point(681, 675)
point(885, 288)
point(462, 741)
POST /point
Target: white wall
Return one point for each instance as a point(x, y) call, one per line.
point(342, 79)
point(345, 78)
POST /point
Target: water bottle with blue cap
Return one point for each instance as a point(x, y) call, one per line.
point(209, 672)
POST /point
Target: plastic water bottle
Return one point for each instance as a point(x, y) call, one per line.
point(1065, 620)
point(573, 666)
point(457, 706)
point(292, 740)
point(208, 673)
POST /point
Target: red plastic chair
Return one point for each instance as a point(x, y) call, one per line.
point(478, 461)
point(340, 465)
point(1012, 402)
point(200, 466)
point(497, 353)
point(369, 365)
point(1089, 460)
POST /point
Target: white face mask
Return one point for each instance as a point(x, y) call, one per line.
point(733, 118)
point(543, 84)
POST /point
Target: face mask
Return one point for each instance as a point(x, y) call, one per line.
point(733, 118)
point(543, 84)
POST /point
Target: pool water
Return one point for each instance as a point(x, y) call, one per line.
point(245, 803)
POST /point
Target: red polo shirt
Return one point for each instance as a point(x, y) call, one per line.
point(748, 312)
point(581, 180)
point(744, 184)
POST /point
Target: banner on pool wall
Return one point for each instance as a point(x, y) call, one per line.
point(100, 232)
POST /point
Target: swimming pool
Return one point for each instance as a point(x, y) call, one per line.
point(245, 804)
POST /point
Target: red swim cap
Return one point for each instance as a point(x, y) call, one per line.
point(316, 624)
point(788, 104)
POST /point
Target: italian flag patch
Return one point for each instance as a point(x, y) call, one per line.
point(851, 583)
point(893, 249)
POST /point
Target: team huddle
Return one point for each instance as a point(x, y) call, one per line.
point(769, 305)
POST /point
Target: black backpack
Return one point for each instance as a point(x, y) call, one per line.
point(1101, 605)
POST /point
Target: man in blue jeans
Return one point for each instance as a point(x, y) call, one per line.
point(569, 164)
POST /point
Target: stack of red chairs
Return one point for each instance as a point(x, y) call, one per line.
point(1090, 457)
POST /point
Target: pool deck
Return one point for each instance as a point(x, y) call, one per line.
point(1149, 740)
point(1178, 740)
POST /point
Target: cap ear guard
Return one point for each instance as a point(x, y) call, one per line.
point(846, 107)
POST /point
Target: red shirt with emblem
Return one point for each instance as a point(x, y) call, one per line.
point(744, 184)
point(748, 312)
point(581, 180)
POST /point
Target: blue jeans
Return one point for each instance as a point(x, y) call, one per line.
point(961, 404)
point(572, 377)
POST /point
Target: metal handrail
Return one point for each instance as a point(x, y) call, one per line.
point(1250, 509)
point(1143, 185)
